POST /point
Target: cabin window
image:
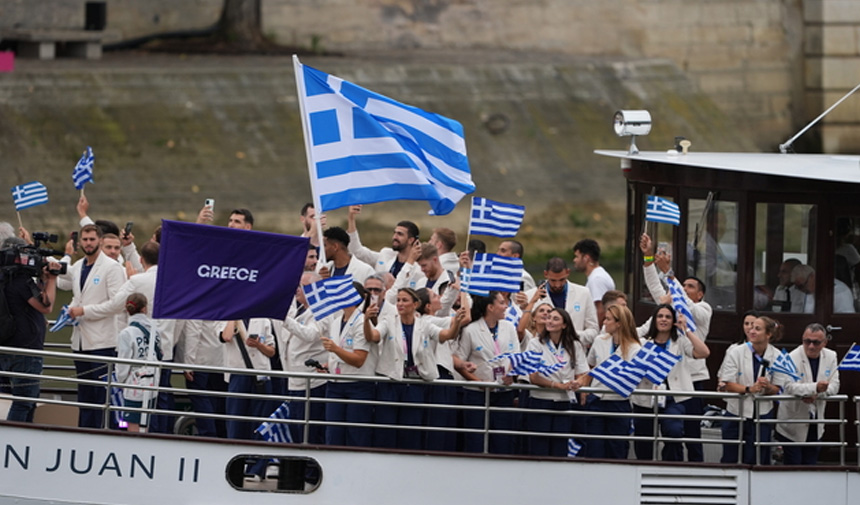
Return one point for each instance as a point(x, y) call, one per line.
point(712, 250)
point(785, 256)
point(846, 265)
point(280, 474)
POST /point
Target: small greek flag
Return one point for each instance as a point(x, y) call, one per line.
point(522, 363)
point(330, 295)
point(495, 218)
point(491, 272)
point(573, 448)
point(548, 370)
point(785, 365)
point(655, 361)
point(513, 314)
point(83, 172)
point(116, 399)
point(618, 375)
point(679, 302)
point(277, 432)
point(63, 320)
point(851, 361)
point(661, 210)
point(29, 195)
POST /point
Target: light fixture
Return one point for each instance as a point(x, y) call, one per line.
point(632, 123)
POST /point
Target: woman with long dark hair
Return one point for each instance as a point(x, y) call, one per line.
point(558, 344)
point(669, 332)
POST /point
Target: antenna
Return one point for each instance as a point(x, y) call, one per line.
point(783, 148)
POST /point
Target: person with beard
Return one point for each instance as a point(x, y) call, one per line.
point(309, 224)
point(93, 279)
point(389, 259)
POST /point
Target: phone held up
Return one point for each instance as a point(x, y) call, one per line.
point(74, 237)
point(209, 202)
point(127, 230)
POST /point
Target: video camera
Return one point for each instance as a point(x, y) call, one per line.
point(30, 259)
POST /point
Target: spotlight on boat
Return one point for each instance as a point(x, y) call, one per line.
point(632, 123)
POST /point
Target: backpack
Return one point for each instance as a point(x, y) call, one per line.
point(7, 320)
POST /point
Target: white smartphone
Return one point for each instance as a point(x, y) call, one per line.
point(210, 202)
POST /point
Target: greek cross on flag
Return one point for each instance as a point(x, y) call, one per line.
point(366, 148)
point(83, 172)
point(785, 365)
point(274, 431)
point(851, 361)
point(491, 272)
point(618, 375)
point(29, 195)
point(330, 295)
point(661, 210)
point(655, 361)
point(679, 302)
point(495, 218)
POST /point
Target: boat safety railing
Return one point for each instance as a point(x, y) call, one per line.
point(59, 383)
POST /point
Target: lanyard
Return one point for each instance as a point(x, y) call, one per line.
point(495, 332)
point(557, 352)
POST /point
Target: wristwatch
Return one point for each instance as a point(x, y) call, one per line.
point(747, 390)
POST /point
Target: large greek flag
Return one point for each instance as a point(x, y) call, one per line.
point(363, 147)
point(495, 218)
point(330, 295)
point(29, 195)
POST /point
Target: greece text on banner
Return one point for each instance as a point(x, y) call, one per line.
point(222, 274)
point(366, 148)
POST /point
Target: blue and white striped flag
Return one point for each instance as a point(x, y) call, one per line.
point(522, 363)
point(116, 400)
point(655, 361)
point(83, 172)
point(277, 432)
point(366, 148)
point(618, 375)
point(679, 302)
point(330, 295)
point(495, 218)
point(491, 272)
point(851, 361)
point(573, 448)
point(548, 370)
point(513, 314)
point(63, 320)
point(661, 210)
point(29, 195)
point(785, 365)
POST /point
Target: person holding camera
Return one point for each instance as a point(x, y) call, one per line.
point(28, 302)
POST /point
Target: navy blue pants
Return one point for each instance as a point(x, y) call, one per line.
point(92, 370)
point(600, 425)
point(22, 410)
point(316, 433)
point(442, 395)
point(673, 428)
point(402, 415)
point(499, 444)
point(730, 431)
point(163, 423)
point(693, 428)
point(340, 412)
point(208, 381)
point(549, 423)
point(801, 455)
point(244, 430)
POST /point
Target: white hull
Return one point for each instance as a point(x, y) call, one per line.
point(38, 467)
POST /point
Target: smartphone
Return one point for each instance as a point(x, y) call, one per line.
point(74, 237)
point(209, 202)
point(127, 230)
point(253, 336)
point(663, 247)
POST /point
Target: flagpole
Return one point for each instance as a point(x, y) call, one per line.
point(645, 219)
point(846, 354)
point(20, 223)
point(300, 91)
point(469, 226)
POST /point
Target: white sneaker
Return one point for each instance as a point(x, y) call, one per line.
point(272, 471)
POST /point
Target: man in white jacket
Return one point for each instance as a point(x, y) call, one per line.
point(819, 378)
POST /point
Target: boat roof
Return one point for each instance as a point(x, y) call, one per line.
point(822, 167)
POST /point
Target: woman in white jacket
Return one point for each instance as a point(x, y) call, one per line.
point(134, 342)
point(407, 349)
point(746, 370)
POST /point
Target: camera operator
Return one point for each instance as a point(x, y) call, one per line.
point(28, 302)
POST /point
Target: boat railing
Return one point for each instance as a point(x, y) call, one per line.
point(61, 380)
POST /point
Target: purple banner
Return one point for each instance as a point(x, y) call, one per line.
point(221, 274)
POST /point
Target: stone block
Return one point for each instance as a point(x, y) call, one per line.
point(37, 50)
point(769, 81)
point(839, 72)
point(813, 43)
point(840, 138)
point(813, 72)
point(840, 11)
point(839, 40)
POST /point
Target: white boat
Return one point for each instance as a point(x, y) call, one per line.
point(47, 463)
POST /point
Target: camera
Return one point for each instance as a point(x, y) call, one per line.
point(30, 259)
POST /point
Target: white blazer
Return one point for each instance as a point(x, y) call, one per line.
point(476, 345)
point(103, 282)
point(738, 368)
point(381, 261)
point(299, 346)
point(425, 338)
point(580, 306)
point(358, 269)
point(806, 386)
